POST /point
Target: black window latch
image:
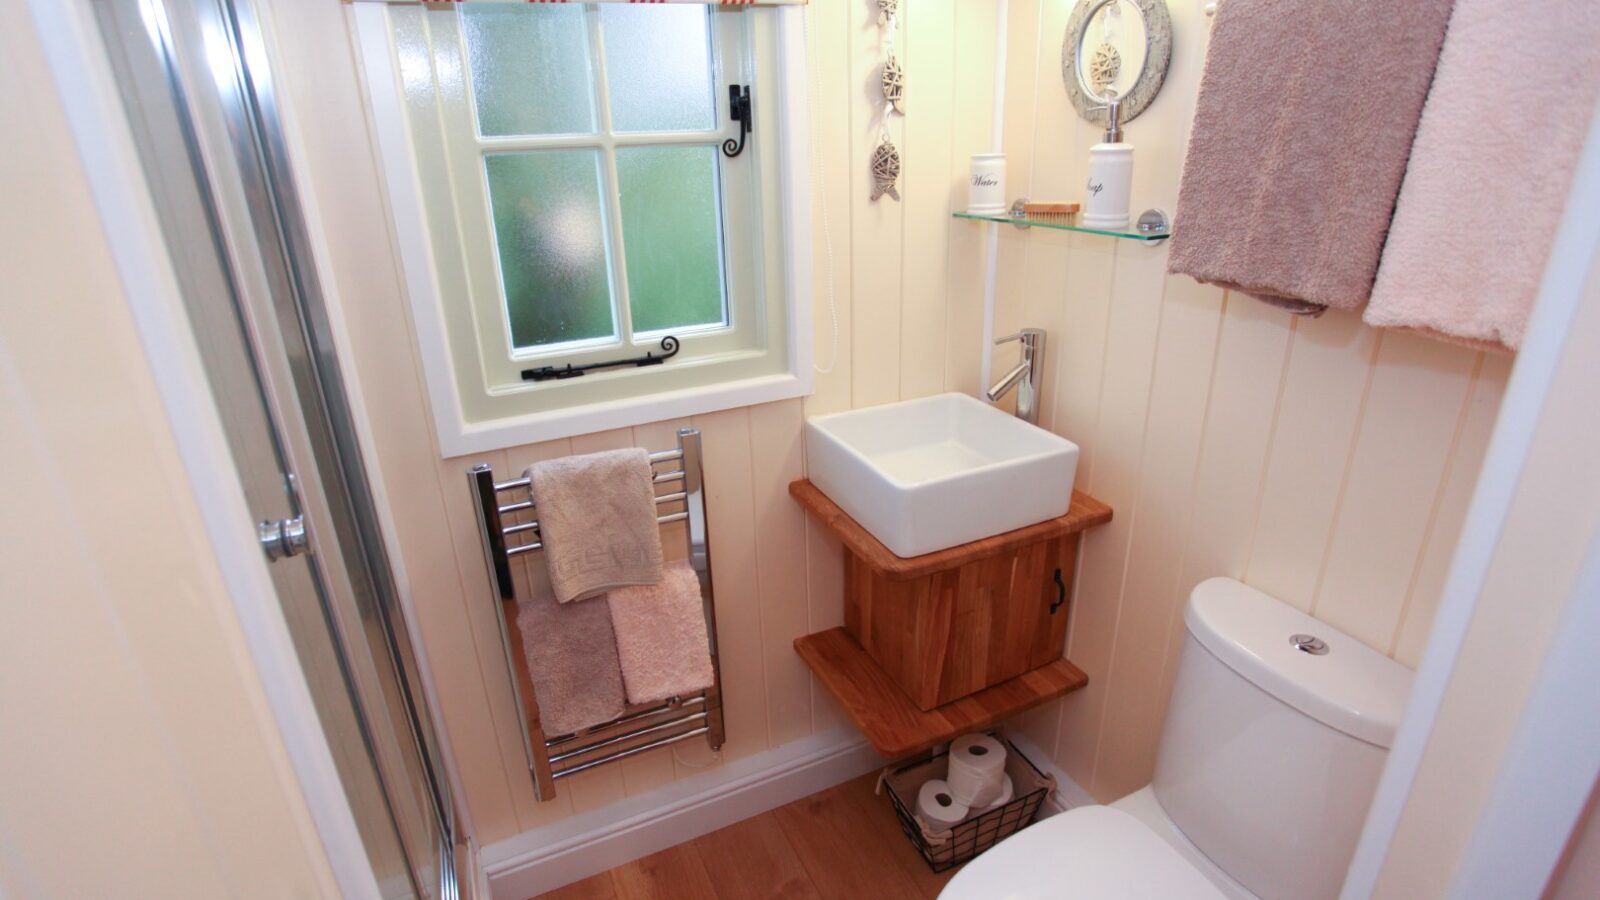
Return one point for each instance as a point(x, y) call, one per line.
point(738, 111)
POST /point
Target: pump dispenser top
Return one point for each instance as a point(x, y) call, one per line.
point(1113, 110)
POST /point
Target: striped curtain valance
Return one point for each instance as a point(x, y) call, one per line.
point(701, 2)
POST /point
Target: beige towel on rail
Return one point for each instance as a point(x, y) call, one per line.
point(1490, 170)
point(597, 520)
point(1305, 119)
point(572, 660)
point(662, 642)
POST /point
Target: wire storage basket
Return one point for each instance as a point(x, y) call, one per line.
point(945, 849)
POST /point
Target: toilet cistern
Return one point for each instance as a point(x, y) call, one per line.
point(1027, 375)
point(1257, 714)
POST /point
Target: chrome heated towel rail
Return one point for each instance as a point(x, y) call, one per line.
point(506, 514)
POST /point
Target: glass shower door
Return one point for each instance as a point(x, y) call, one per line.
point(200, 105)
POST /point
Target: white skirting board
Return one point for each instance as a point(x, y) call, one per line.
point(575, 848)
point(1068, 793)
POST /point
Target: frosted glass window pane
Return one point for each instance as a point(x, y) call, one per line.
point(530, 68)
point(551, 235)
point(671, 227)
point(658, 67)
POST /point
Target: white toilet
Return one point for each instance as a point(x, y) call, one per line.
point(1271, 750)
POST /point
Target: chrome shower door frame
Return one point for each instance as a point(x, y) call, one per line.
point(199, 95)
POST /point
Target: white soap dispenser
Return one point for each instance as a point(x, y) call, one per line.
point(1105, 204)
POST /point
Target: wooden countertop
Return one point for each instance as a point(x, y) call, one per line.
point(893, 724)
point(1085, 512)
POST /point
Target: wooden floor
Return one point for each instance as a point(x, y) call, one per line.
point(842, 843)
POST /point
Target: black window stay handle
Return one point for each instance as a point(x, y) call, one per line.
point(669, 348)
point(738, 111)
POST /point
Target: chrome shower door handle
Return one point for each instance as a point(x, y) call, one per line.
point(283, 538)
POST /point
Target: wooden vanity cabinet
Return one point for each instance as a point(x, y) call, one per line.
point(954, 632)
point(949, 624)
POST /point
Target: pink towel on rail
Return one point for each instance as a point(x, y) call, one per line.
point(1305, 119)
point(572, 659)
point(1490, 170)
point(661, 636)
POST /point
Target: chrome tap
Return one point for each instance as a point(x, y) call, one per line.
point(1026, 377)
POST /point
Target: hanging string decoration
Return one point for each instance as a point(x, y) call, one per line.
point(885, 169)
point(886, 157)
point(1106, 62)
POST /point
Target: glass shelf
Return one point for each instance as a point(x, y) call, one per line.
point(1130, 234)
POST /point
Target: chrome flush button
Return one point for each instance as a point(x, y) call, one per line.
point(1307, 643)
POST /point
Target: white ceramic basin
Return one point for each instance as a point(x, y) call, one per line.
point(927, 474)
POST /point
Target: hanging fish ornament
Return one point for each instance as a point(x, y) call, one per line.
point(886, 159)
point(885, 169)
point(894, 84)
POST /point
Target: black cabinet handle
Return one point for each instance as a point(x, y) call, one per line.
point(1061, 594)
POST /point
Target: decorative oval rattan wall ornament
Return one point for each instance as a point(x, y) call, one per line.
point(1087, 98)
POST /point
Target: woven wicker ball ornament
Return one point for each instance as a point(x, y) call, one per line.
point(885, 169)
point(1104, 67)
point(894, 84)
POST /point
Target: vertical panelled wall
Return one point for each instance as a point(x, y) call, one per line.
point(1318, 460)
point(897, 308)
point(1321, 461)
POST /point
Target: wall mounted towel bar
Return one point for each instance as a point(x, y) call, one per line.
point(506, 515)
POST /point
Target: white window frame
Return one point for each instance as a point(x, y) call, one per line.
point(459, 403)
point(740, 250)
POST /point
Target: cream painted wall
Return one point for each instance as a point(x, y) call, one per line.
point(1550, 526)
point(1319, 460)
point(905, 283)
point(139, 757)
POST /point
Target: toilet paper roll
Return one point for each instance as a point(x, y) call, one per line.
point(978, 752)
point(938, 807)
point(974, 789)
point(1007, 791)
point(977, 765)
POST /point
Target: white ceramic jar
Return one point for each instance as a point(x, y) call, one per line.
point(986, 191)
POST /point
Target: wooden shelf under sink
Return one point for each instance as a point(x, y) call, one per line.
point(893, 724)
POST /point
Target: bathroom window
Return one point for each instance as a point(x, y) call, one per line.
point(571, 205)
